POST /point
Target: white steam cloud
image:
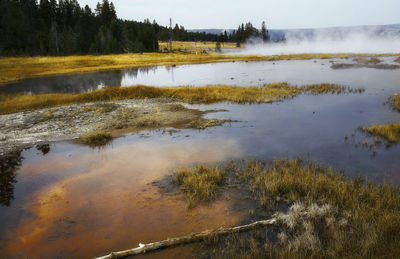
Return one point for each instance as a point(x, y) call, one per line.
point(360, 40)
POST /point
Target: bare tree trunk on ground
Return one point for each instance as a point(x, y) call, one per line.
point(194, 237)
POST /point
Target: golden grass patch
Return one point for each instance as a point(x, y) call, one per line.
point(199, 183)
point(96, 138)
point(195, 46)
point(366, 60)
point(395, 102)
point(207, 94)
point(17, 68)
point(389, 132)
point(328, 216)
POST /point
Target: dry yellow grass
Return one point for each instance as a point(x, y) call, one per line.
point(14, 69)
point(366, 60)
point(329, 215)
point(193, 47)
point(96, 138)
point(389, 132)
point(207, 94)
point(395, 102)
point(199, 183)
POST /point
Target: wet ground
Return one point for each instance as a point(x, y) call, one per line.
point(232, 73)
point(66, 200)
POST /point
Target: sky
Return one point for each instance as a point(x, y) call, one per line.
point(278, 14)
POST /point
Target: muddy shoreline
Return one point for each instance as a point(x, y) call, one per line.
point(26, 129)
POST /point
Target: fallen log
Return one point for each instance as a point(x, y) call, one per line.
point(194, 237)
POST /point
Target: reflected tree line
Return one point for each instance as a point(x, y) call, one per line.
point(73, 83)
point(9, 164)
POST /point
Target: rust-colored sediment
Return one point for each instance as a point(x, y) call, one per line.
point(111, 206)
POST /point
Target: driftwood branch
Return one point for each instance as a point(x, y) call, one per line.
point(194, 237)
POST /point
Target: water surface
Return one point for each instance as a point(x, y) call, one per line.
point(297, 72)
point(67, 200)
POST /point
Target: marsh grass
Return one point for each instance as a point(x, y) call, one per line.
point(207, 94)
point(202, 124)
point(14, 69)
point(394, 101)
point(397, 60)
point(96, 138)
point(200, 184)
point(329, 215)
point(366, 60)
point(389, 132)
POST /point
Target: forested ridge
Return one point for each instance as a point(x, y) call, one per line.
point(50, 27)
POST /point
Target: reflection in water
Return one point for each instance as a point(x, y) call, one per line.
point(79, 202)
point(44, 148)
point(109, 203)
point(9, 164)
point(298, 72)
point(76, 83)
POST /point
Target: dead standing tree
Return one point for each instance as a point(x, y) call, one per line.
point(170, 35)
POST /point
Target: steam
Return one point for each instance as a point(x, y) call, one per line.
point(382, 40)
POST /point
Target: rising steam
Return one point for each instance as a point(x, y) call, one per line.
point(360, 40)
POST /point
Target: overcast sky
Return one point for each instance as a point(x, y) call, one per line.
point(279, 14)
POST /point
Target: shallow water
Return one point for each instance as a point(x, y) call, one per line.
point(73, 201)
point(297, 72)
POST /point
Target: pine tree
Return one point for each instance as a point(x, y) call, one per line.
point(264, 33)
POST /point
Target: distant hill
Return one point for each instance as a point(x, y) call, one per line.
point(392, 30)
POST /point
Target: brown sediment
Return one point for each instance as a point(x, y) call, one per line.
point(111, 204)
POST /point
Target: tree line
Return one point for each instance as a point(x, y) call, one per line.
point(50, 27)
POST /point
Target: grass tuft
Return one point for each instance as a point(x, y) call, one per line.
point(96, 138)
point(202, 124)
point(389, 132)
point(200, 183)
point(395, 102)
point(366, 60)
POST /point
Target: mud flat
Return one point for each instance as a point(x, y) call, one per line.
point(24, 129)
